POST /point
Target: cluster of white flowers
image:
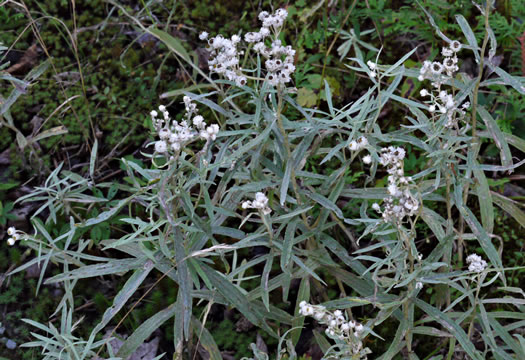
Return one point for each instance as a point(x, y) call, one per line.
point(338, 327)
point(373, 68)
point(279, 62)
point(358, 144)
point(279, 58)
point(224, 57)
point(476, 263)
point(174, 135)
point(260, 203)
point(439, 72)
point(400, 202)
point(14, 235)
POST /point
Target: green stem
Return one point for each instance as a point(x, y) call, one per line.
point(474, 142)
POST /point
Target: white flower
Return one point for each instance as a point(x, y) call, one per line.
point(436, 68)
point(419, 285)
point(432, 108)
point(477, 264)
point(371, 65)
point(359, 328)
point(392, 189)
point(424, 92)
point(11, 241)
point(161, 146)
point(372, 74)
point(203, 35)
point(455, 46)
point(153, 113)
point(367, 159)
point(11, 231)
point(353, 145)
point(376, 207)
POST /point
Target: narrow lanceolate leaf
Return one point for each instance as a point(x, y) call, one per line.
point(481, 234)
point(326, 203)
point(469, 35)
point(509, 206)
point(286, 255)
point(497, 136)
point(452, 327)
point(185, 283)
point(128, 290)
point(234, 296)
point(298, 322)
point(112, 267)
point(144, 331)
point(206, 340)
point(485, 199)
point(93, 159)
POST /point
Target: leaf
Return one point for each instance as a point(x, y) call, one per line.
point(93, 159)
point(497, 136)
point(469, 35)
point(235, 297)
point(451, 326)
point(172, 43)
point(286, 254)
point(206, 339)
point(111, 267)
point(144, 331)
point(264, 281)
point(58, 130)
point(485, 199)
point(326, 203)
point(298, 321)
point(510, 207)
point(127, 291)
point(480, 233)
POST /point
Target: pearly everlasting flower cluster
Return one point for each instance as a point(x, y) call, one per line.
point(439, 72)
point(224, 57)
point(373, 68)
point(174, 135)
point(279, 58)
point(476, 263)
point(260, 203)
point(279, 61)
point(400, 201)
point(338, 327)
point(14, 236)
point(358, 144)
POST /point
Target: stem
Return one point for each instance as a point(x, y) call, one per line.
point(474, 143)
point(471, 325)
point(407, 304)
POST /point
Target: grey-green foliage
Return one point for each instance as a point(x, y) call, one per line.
point(194, 231)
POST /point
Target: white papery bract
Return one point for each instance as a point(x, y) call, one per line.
point(358, 144)
point(400, 202)
point(476, 263)
point(439, 73)
point(14, 235)
point(279, 59)
point(175, 135)
point(260, 203)
point(338, 327)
